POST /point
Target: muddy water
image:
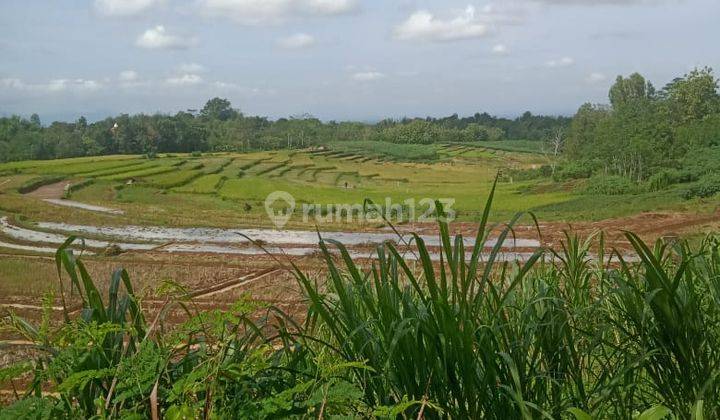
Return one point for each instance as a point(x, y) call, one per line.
point(267, 236)
point(226, 241)
point(29, 235)
point(229, 241)
point(79, 205)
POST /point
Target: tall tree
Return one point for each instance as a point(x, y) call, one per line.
point(693, 96)
point(630, 89)
point(219, 109)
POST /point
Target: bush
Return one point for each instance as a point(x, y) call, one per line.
point(708, 186)
point(543, 171)
point(611, 185)
point(573, 170)
point(196, 154)
point(664, 179)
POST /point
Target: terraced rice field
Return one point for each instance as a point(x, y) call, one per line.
point(229, 189)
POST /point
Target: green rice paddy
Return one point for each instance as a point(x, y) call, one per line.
point(229, 189)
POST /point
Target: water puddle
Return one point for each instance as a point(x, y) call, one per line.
point(29, 235)
point(266, 236)
point(79, 205)
point(230, 242)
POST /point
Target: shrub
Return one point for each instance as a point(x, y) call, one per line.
point(663, 179)
point(196, 154)
point(543, 171)
point(708, 186)
point(611, 185)
point(701, 161)
point(573, 170)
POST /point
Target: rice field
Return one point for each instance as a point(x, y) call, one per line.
point(214, 189)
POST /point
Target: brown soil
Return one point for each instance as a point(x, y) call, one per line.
point(56, 190)
point(649, 226)
point(217, 281)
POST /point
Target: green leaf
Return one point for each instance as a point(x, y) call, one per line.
point(697, 412)
point(579, 414)
point(654, 413)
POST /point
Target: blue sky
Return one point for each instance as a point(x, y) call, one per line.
point(341, 59)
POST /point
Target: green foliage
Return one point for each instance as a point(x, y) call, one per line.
point(388, 151)
point(218, 109)
point(525, 146)
point(693, 96)
point(626, 92)
point(700, 162)
point(543, 171)
point(611, 185)
point(707, 186)
point(644, 131)
point(176, 178)
point(219, 127)
point(665, 178)
point(573, 170)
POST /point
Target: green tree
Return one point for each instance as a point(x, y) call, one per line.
point(627, 90)
point(219, 109)
point(693, 96)
point(35, 121)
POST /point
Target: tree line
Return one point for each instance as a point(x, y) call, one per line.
point(220, 127)
point(644, 132)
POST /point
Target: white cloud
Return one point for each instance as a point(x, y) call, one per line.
point(425, 26)
point(499, 49)
point(52, 86)
point(184, 80)
point(12, 83)
point(191, 68)
point(368, 76)
point(599, 2)
point(596, 77)
point(159, 38)
point(128, 76)
point(561, 62)
point(245, 90)
point(124, 8)
point(254, 12)
point(297, 41)
point(72, 84)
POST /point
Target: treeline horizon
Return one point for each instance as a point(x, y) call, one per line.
point(219, 127)
point(639, 132)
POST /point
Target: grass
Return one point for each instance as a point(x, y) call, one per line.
point(126, 167)
point(562, 335)
point(389, 151)
point(175, 178)
point(140, 173)
point(212, 194)
point(48, 166)
point(206, 184)
point(37, 182)
point(524, 146)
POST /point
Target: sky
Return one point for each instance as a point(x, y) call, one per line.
point(341, 59)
